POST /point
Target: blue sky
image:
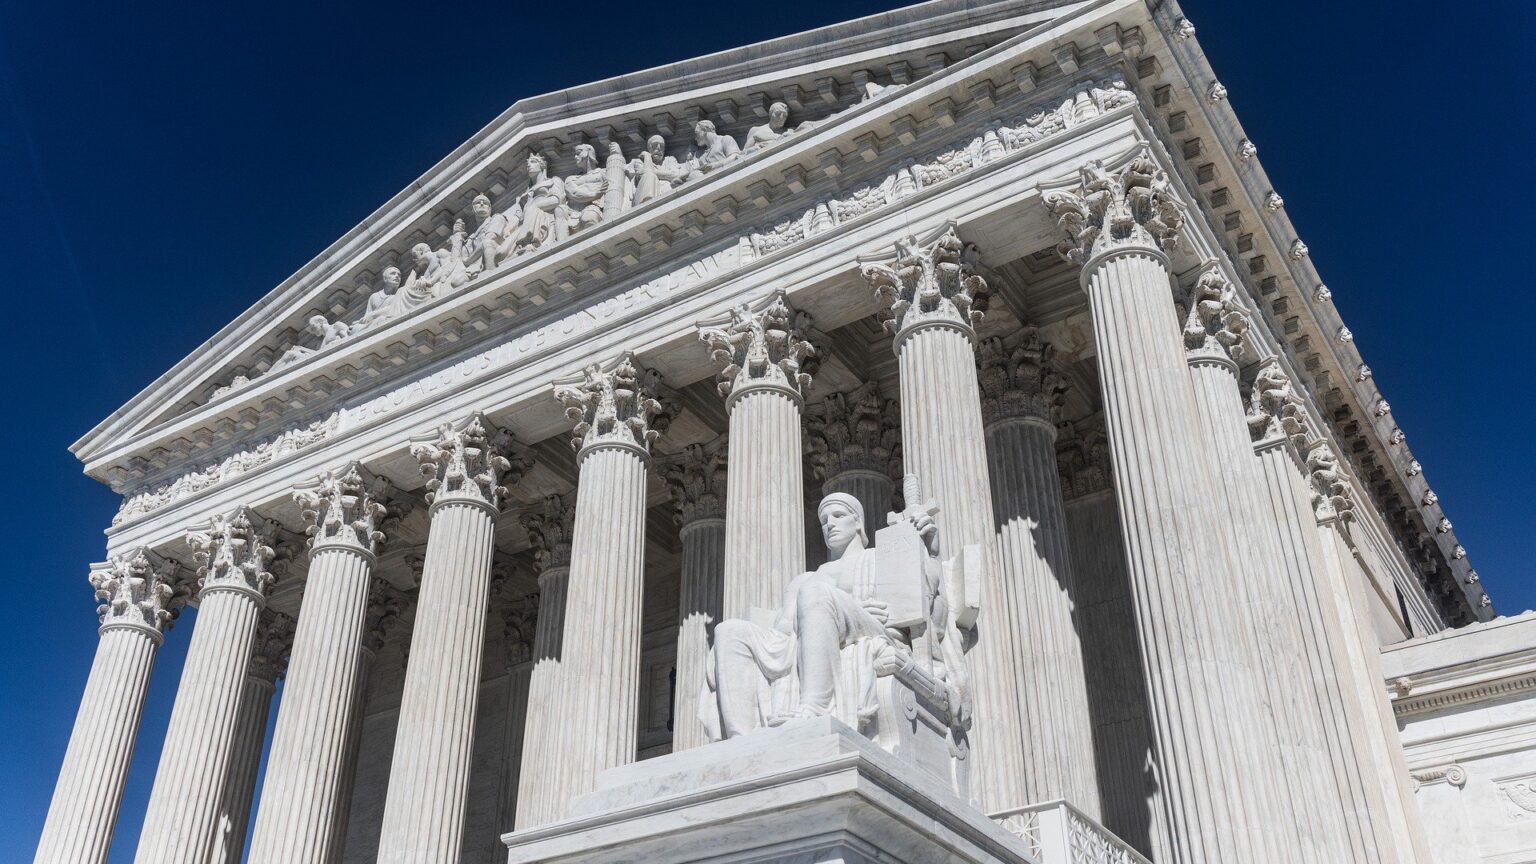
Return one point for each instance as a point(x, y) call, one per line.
point(163, 166)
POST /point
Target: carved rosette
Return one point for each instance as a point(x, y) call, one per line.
point(347, 508)
point(470, 460)
point(519, 619)
point(1275, 409)
point(761, 345)
point(549, 531)
point(614, 406)
point(235, 552)
point(929, 285)
point(696, 479)
point(1020, 381)
point(1132, 207)
point(854, 431)
point(385, 603)
point(139, 589)
point(1215, 325)
point(274, 640)
point(1082, 459)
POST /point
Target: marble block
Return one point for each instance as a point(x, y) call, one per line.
point(812, 790)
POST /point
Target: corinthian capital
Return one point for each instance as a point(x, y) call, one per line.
point(385, 603)
point(1275, 409)
point(274, 640)
point(854, 431)
point(613, 405)
point(139, 589)
point(235, 552)
point(347, 508)
point(934, 283)
point(519, 619)
point(696, 479)
point(1332, 496)
point(761, 344)
point(1134, 206)
point(1215, 322)
point(470, 460)
point(549, 530)
point(1082, 460)
point(1020, 381)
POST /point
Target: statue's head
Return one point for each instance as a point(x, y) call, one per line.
point(701, 132)
point(842, 520)
point(481, 207)
point(657, 145)
point(586, 156)
point(391, 276)
point(318, 325)
point(421, 252)
point(778, 114)
point(536, 165)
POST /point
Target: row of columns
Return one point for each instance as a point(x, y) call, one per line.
point(1216, 593)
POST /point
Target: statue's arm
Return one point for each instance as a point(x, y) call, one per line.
point(784, 622)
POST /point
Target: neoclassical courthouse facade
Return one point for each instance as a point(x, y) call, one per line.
point(921, 439)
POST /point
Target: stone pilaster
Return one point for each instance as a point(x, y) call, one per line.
point(1021, 393)
point(1201, 697)
point(934, 300)
point(766, 363)
point(549, 532)
point(519, 622)
point(617, 415)
point(468, 465)
point(345, 512)
point(697, 480)
point(234, 555)
point(854, 443)
point(139, 599)
point(269, 658)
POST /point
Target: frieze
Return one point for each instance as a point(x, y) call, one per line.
point(996, 141)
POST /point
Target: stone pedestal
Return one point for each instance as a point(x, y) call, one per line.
point(302, 798)
point(697, 480)
point(933, 293)
point(1021, 392)
point(182, 822)
point(763, 354)
point(274, 639)
point(809, 791)
point(138, 603)
point(467, 464)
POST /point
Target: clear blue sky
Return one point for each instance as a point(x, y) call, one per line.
point(163, 165)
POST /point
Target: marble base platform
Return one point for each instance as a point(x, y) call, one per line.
point(809, 792)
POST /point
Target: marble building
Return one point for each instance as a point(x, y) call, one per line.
point(924, 438)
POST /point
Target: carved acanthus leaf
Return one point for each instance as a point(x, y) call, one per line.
point(139, 589)
point(1133, 206)
point(1082, 459)
point(1275, 409)
point(274, 640)
point(933, 283)
point(696, 478)
point(1021, 380)
point(385, 604)
point(855, 431)
point(349, 507)
point(519, 620)
point(1332, 496)
point(762, 343)
point(549, 530)
point(470, 460)
point(235, 551)
point(1215, 321)
point(614, 405)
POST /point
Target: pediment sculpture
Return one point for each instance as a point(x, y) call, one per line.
point(876, 637)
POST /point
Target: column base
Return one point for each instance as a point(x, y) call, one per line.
point(810, 790)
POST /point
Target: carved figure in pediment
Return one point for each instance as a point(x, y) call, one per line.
point(485, 248)
point(329, 333)
point(541, 214)
point(437, 270)
point(768, 133)
point(653, 173)
point(585, 190)
point(714, 150)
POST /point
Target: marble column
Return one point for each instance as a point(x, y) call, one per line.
point(853, 441)
point(182, 822)
point(139, 598)
point(596, 724)
point(269, 657)
point(549, 532)
point(519, 620)
point(1203, 697)
point(1021, 398)
point(467, 464)
point(934, 300)
point(385, 603)
point(345, 511)
point(697, 480)
point(766, 365)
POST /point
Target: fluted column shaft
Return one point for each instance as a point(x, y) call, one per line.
point(519, 680)
point(90, 787)
point(1057, 745)
point(244, 765)
point(1203, 700)
point(183, 816)
point(596, 727)
point(303, 793)
point(873, 489)
point(429, 777)
point(944, 445)
point(350, 751)
point(764, 513)
point(546, 686)
point(699, 607)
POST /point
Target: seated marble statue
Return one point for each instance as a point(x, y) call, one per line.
point(540, 217)
point(867, 614)
point(715, 149)
point(437, 271)
point(585, 191)
point(484, 248)
point(653, 172)
point(768, 133)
